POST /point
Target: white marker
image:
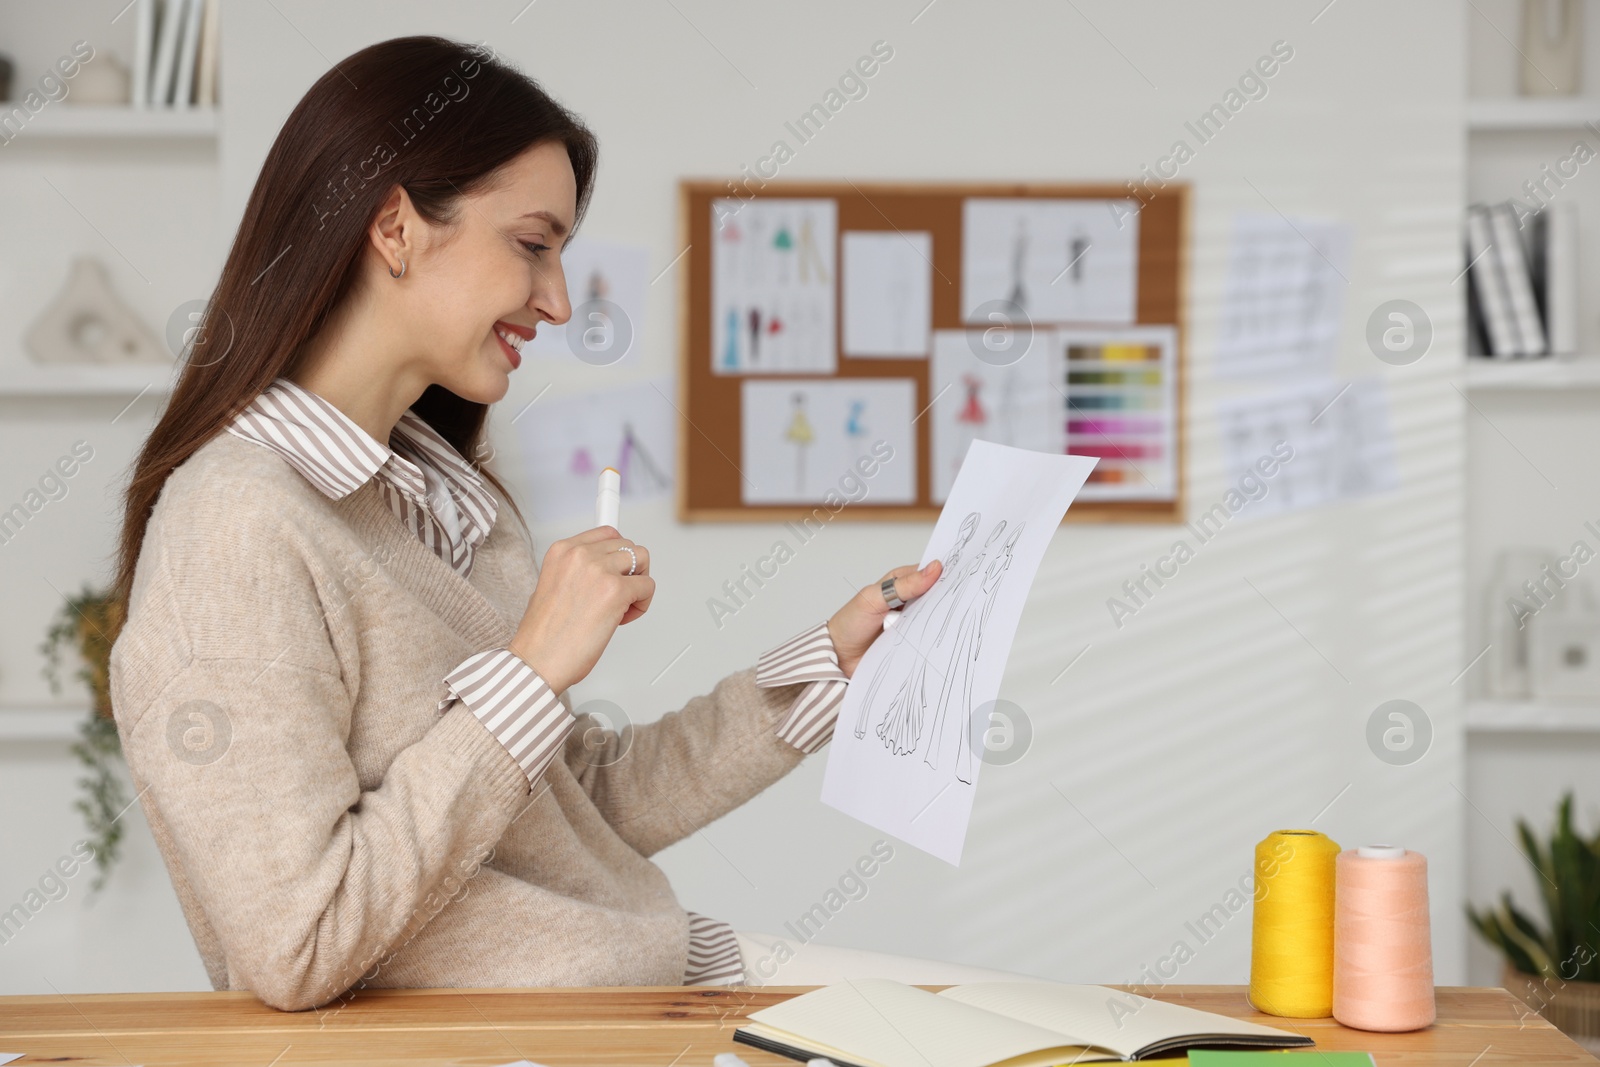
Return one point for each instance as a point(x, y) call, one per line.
point(608, 500)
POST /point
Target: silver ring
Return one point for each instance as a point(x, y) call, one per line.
point(633, 566)
point(887, 587)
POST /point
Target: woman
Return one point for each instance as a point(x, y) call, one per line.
point(341, 683)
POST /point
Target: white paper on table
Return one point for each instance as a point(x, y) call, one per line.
point(802, 440)
point(567, 441)
point(772, 286)
point(7, 1057)
point(887, 293)
point(597, 269)
point(1340, 434)
point(1058, 260)
point(903, 758)
point(1284, 296)
point(1022, 404)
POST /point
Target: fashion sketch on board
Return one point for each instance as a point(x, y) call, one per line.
point(773, 300)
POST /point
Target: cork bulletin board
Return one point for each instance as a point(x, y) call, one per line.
point(1103, 376)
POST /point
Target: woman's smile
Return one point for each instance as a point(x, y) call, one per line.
point(511, 338)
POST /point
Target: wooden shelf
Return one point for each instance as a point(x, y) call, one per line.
point(41, 724)
point(1532, 113)
point(1532, 716)
point(19, 378)
point(116, 121)
point(1582, 372)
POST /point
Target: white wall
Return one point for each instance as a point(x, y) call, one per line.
point(1175, 743)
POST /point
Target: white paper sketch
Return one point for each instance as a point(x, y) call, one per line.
point(597, 269)
point(799, 437)
point(887, 293)
point(907, 746)
point(1070, 261)
point(569, 440)
point(773, 281)
point(1022, 404)
point(1284, 296)
point(1340, 434)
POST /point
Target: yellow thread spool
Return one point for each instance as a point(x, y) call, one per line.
point(1291, 929)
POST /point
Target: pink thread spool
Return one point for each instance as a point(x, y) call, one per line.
point(1382, 950)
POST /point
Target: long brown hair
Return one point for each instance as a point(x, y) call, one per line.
point(432, 115)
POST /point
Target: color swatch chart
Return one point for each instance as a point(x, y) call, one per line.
point(1119, 393)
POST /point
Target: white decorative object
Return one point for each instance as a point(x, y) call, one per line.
point(1505, 609)
point(1564, 656)
point(1552, 47)
point(88, 323)
point(103, 81)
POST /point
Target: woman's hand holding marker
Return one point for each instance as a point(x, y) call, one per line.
point(589, 584)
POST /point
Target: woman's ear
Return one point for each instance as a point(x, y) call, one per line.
point(393, 230)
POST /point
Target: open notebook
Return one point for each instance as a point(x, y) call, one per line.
point(875, 1022)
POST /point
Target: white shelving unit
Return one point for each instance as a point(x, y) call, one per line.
point(1533, 113)
point(118, 122)
point(21, 378)
point(1525, 716)
point(1582, 372)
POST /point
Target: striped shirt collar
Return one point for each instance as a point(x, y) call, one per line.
point(338, 457)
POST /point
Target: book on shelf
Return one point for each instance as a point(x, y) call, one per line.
point(875, 1022)
point(175, 53)
point(1522, 296)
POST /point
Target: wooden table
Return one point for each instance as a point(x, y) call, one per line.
point(630, 1026)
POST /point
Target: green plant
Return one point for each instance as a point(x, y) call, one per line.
point(88, 622)
point(1568, 870)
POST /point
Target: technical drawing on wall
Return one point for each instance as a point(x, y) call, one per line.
point(1337, 433)
point(1284, 297)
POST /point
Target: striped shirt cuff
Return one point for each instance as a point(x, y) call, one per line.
point(714, 957)
point(516, 705)
point(810, 658)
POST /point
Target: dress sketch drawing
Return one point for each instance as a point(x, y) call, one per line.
point(945, 638)
point(911, 665)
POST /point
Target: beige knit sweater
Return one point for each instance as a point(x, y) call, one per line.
point(275, 689)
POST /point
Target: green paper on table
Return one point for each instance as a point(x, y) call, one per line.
point(1209, 1058)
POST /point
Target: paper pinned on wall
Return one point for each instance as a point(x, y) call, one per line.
point(1122, 407)
point(607, 282)
point(1284, 296)
point(1017, 402)
point(773, 285)
point(887, 293)
point(1055, 260)
point(913, 727)
point(1109, 392)
point(567, 441)
point(1342, 445)
point(810, 442)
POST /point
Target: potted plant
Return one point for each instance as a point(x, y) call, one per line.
point(1554, 969)
point(88, 622)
